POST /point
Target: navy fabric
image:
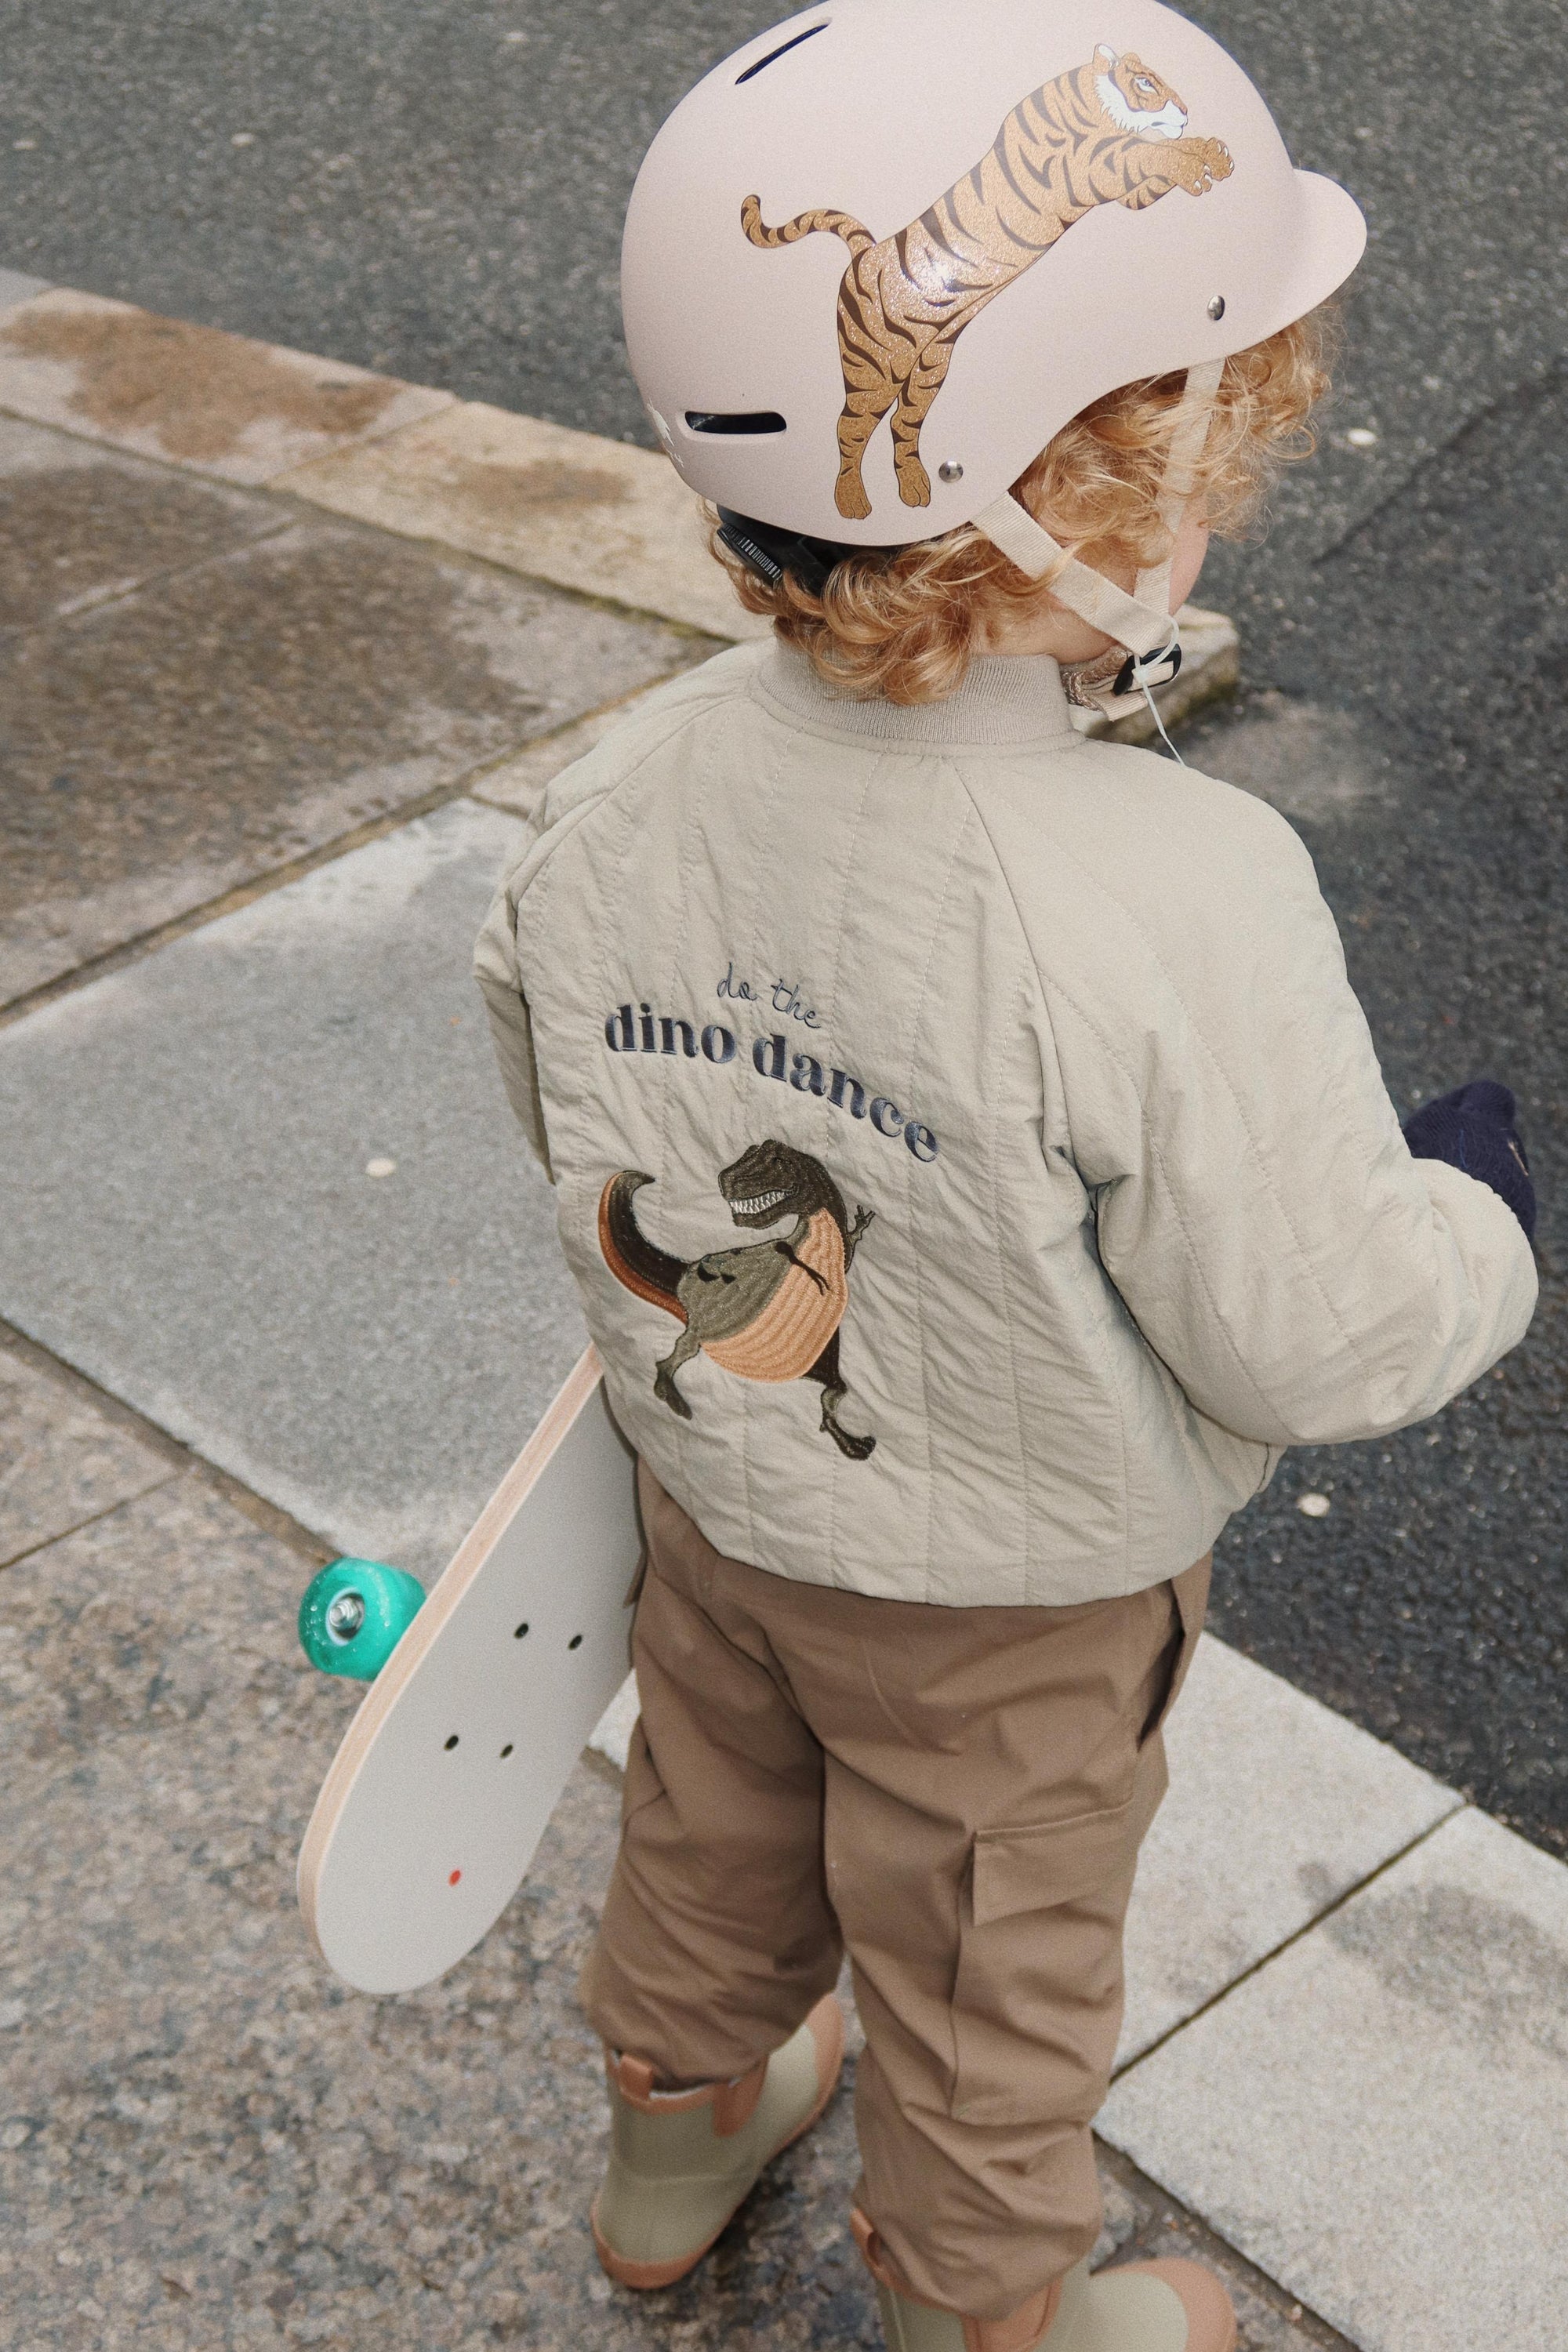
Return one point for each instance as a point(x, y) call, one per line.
point(1473, 1128)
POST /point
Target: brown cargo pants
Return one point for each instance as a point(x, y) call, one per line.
point(958, 1796)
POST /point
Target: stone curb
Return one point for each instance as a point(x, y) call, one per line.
point(602, 517)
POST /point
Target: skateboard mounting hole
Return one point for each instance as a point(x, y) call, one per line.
point(576, 1643)
point(453, 1880)
point(506, 1749)
point(453, 1741)
point(521, 1632)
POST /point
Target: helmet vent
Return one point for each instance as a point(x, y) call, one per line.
point(747, 420)
point(782, 51)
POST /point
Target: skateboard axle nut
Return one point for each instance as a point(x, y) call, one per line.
point(345, 1615)
point(353, 1614)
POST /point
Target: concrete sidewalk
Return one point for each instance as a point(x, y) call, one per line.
point(291, 647)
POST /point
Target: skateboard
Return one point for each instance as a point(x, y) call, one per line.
point(490, 1687)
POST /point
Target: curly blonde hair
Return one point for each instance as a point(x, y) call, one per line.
point(907, 622)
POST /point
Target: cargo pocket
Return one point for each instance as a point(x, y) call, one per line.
point(1053, 1862)
point(1037, 1992)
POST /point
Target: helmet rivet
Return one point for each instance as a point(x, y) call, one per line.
point(1217, 306)
point(950, 470)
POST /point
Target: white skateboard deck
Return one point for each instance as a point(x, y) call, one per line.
point(452, 1766)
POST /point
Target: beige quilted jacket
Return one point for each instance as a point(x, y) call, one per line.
point(974, 1160)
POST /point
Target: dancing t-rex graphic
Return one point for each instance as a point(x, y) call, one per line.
point(767, 1312)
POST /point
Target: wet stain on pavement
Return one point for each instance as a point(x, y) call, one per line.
point(1479, 1965)
point(197, 390)
point(75, 534)
point(230, 718)
point(544, 482)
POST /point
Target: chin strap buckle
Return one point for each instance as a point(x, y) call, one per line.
point(1141, 672)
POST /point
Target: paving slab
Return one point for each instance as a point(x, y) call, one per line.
point(238, 712)
point(519, 783)
point(1143, 2225)
point(81, 523)
point(1379, 2117)
point(61, 1461)
point(220, 403)
point(186, 1215)
point(1278, 1807)
point(599, 516)
point(206, 2141)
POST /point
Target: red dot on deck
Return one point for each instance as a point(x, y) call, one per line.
point(453, 1880)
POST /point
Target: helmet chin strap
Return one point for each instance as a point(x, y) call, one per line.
point(1142, 620)
point(1189, 431)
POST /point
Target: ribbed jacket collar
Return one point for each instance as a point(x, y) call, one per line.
point(1006, 701)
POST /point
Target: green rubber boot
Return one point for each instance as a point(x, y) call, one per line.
point(1162, 2307)
point(681, 2162)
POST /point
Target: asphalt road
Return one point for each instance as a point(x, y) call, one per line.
point(439, 193)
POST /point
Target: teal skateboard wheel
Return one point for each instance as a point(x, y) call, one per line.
point(353, 1615)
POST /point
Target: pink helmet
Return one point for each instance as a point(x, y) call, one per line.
point(876, 260)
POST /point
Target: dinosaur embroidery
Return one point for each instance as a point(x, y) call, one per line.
point(767, 1312)
point(1109, 132)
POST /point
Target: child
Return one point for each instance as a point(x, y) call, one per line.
point(974, 1160)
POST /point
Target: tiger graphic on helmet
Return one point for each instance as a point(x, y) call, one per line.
point(1109, 132)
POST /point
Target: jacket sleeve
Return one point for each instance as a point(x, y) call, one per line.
point(1258, 1210)
point(500, 984)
